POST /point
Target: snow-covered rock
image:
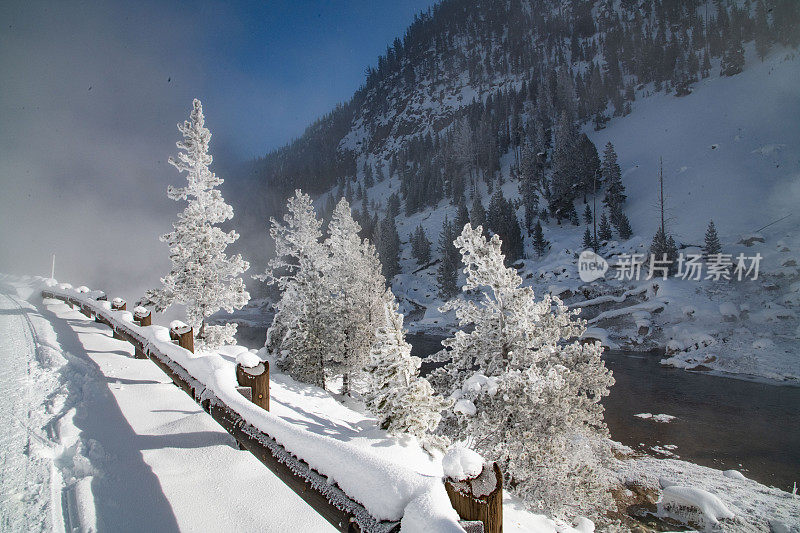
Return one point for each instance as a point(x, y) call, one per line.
point(693, 506)
point(733, 474)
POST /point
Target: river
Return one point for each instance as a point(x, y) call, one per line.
point(720, 422)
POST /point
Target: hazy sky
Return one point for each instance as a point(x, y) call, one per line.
point(90, 94)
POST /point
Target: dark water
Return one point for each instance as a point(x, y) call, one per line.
point(721, 422)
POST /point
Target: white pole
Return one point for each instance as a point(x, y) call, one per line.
point(53, 268)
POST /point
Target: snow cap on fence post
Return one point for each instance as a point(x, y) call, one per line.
point(254, 373)
point(475, 488)
point(142, 316)
point(182, 334)
point(118, 304)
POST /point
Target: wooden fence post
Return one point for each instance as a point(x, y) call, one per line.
point(183, 335)
point(142, 316)
point(117, 304)
point(257, 378)
point(479, 498)
point(100, 298)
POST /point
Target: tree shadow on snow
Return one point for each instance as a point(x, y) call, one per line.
point(128, 495)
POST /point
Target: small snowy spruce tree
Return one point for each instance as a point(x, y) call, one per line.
point(539, 242)
point(389, 246)
point(420, 246)
point(604, 230)
point(402, 401)
point(202, 277)
point(712, 245)
point(533, 404)
point(612, 178)
point(447, 272)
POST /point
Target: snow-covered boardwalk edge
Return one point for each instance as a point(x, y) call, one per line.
point(349, 486)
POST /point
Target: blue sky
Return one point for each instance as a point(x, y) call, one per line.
point(271, 68)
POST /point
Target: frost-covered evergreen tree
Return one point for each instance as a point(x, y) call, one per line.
point(420, 246)
point(604, 230)
point(302, 334)
point(712, 245)
point(621, 224)
point(533, 404)
point(612, 178)
point(539, 242)
point(587, 215)
point(447, 273)
point(733, 60)
point(588, 241)
point(587, 165)
point(462, 217)
point(368, 179)
point(353, 275)
point(477, 216)
point(202, 276)
point(389, 247)
point(403, 401)
point(664, 248)
point(502, 220)
point(564, 184)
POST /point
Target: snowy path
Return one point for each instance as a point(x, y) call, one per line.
point(135, 453)
point(25, 503)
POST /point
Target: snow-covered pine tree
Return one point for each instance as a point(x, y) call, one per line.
point(420, 246)
point(462, 217)
point(403, 401)
point(663, 246)
point(587, 215)
point(533, 404)
point(368, 179)
point(502, 220)
point(477, 216)
point(587, 164)
point(447, 273)
point(389, 247)
point(564, 184)
point(733, 60)
point(712, 245)
point(539, 242)
point(353, 275)
point(604, 230)
point(612, 178)
point(302, 332)
point(621, 223)
point(588, 242)
point(393, 205)
point(202, 277)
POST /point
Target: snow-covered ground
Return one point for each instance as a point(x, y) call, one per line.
point(126, 450)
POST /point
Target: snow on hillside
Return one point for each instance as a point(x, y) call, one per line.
point(730, 154)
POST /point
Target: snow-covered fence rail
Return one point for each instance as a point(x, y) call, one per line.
point(353, 489)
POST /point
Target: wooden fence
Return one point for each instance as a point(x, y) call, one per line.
point(328, 500)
